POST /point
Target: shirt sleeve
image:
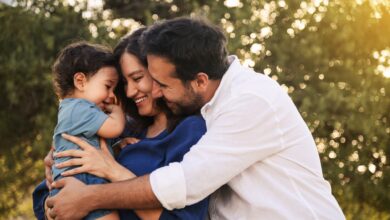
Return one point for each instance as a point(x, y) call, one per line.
point(244, 132)
point(41, 192)
point(192, 212)
point(87, 119)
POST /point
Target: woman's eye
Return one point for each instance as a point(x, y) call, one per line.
point(137, 79)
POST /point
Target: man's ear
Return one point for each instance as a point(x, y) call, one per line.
point(79, 80)
point(201, 82)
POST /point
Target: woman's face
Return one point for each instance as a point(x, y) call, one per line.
point(139, 85)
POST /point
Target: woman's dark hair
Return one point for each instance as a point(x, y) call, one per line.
point(193, 45)
point(131, 44)
point(79, 57)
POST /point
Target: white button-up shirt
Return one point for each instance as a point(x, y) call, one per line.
point(258, 157)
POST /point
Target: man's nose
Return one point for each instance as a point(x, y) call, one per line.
point(156, 91)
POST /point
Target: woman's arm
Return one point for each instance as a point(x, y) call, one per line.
point(102, 164)
point(94, 161)
point(49, 162)
point(41, 192)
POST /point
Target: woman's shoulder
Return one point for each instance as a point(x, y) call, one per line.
point(190, 125)
point(192, 120)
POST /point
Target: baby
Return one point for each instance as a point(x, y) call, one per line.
point(85, 77)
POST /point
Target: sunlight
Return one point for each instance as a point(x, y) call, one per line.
point(98, 4)
point(383, 57)
point(232, 3)
point(386, 72)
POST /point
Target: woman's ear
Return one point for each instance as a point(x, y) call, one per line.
point(79, 80)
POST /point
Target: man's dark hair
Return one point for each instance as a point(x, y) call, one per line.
point(79, 57)
point(192, 45)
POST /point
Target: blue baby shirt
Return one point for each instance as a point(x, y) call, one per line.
point(77, 117)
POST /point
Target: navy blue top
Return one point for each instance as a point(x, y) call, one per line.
point(147, 155)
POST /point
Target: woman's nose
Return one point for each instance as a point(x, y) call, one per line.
point(130, 91)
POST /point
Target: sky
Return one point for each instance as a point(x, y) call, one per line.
point(8, 2)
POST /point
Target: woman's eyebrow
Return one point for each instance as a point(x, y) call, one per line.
point(111, 81)
point(134, 72)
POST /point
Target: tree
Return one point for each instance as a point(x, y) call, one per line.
point(33, 34)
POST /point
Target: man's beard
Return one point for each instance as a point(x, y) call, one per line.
point(191, 107)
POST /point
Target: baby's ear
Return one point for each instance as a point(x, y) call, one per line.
point(79, 80)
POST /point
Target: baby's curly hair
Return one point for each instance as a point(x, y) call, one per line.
point(79, 57)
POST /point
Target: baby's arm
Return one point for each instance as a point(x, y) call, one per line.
point(114, 124)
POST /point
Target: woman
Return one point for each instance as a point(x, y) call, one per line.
point(159, 137)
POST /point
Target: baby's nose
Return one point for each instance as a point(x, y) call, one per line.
point(110, 100)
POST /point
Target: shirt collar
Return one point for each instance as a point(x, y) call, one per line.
point(226, 80)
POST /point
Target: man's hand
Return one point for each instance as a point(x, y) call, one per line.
point(72, 200)
point(48, 161)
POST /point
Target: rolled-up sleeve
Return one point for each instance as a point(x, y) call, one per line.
point(168, 184)
point(193, 212)
point(245, 131)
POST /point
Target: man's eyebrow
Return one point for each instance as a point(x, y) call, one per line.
point(158, 82)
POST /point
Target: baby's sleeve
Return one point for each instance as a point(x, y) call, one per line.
point(87, 119)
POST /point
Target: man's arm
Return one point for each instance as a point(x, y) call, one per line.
point(232, 143)
point(76, 199)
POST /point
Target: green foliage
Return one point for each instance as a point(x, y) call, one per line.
point(30, 40)
point(328, 55)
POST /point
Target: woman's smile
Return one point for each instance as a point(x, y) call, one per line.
point(139, 100)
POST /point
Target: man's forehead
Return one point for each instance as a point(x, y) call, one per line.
point(160, 58)
point(160, 67)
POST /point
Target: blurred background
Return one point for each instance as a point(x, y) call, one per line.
point(331, 56)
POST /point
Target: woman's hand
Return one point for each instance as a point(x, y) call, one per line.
point(49, 162)
point(94, 161)
point(129, 140)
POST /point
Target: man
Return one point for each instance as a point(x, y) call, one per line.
point(258, 157)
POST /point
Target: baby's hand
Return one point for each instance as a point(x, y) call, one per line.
point(125, 141)
point(111, 108)
point(104, 106)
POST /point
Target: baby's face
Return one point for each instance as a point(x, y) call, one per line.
point(99, 89)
